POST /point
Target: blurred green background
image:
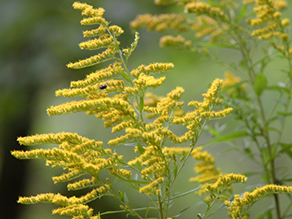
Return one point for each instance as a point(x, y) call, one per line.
point(38, 39)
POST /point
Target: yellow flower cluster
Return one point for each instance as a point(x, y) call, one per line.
point(230, 79)
point(151, 156)
point(207, 26)
point(117, 111)
point(67, 176)
point(166, 104)
point(179, 151)
point(160, 22)
point(144, 81)
point(99, 76)
point(93, 60)
point(151, 99)
point(177, 41)
point(152, 188)
point(268, 14)
point(240, 205)
point(82, 184)
point(157, 162)
point(211, 21)
point(77, 154)
point(72, 206)
point(105, 32)
point(210, 98)
point(155, 168)
point(204, 8)
point(206, 169)
point(101, 42)
point(155, 133)
point(106, 105)
point(222, 183)
point(121, 172)
point(155, 68)
point(197, 153)
point(233, 85)
point(73, 139)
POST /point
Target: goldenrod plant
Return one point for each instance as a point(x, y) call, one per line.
point(120, 97)
point(259, 34)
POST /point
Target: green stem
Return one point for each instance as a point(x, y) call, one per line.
point(118, 197)
point(251, 73)
point(160, 209)
point(212, 203)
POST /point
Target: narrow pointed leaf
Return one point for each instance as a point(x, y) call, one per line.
point(185, 193)
point(122, 197)
point(212, 45)
point(127, 77)
point(181, 212)
point(134, 187)
point(126, 198)
point(260, 83)
point(139, 166)
point(228, 137)
point(140, 148)
point(266, 214)
point(284, 114)
point(175, 170)
point(141, 104)
point(241, 13)
point(213, 131)
point(286, 148)
point(132, 181)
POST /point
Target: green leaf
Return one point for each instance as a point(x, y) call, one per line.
point(139, 166)
point(141, 104)
point(122, 197)
point(175, 170)
point(212, 45)
point(287, 180)
point(260, 83)
point(248, 151)
point(266, 214)
point(228, 137)
point(272, 119)
point(148, 208)
point(213, 131)
point(241, 13)
point(181, 212)
point(252, 173)
point(112, 212)
point(278, 88)
point(125, 75)
point(132, 180)
point(141, 150)
point(284, 114)
point(271, 129)
point(185, 193)
point(286, 148)
point(126, 198)
point(134, 187)
point(215, 4)
point(283, 103)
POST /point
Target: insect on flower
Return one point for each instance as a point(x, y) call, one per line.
point(104, 86)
